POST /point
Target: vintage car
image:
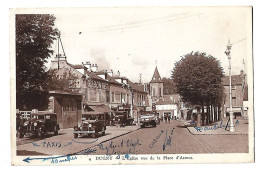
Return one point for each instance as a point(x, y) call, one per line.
point(38, 124)
point(148, 120)
point(91, 125)
point(122, 119)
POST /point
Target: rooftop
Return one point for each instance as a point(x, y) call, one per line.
point(236, 80)
point(156, 77)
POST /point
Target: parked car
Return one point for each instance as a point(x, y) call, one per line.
point(148, 120)
point(92, 125)
point(122, 119)
point(38, 124)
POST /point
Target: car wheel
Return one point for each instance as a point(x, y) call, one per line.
point(93, 135)
point(40, 134)
point(56, 130)
point(75, 135)
point(142, 126)
point(103, 131)
point(20, 134)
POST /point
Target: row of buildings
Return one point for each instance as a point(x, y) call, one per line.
point(90, 91)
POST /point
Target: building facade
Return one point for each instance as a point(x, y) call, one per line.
point(238, 92)
point(156, 86)
point(99, 91)
point(162, 104)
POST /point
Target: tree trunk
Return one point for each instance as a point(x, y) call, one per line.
point(219, 113)
point(211, 114)
point(203, 115)
point(207, 122)
point(215, 114)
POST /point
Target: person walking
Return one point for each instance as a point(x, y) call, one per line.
point(169, 118)
point(165, 118)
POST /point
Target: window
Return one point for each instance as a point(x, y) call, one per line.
point(100, 96)
point(160, 92)
point(113, 97)
point(233, 87)
point(93, 95)
point(233, 101)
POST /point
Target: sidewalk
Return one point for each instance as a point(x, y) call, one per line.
point(218, 128)
point(68, 145)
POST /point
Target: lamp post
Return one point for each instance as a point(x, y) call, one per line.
point(227, 52)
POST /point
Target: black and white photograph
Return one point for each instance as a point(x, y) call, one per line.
point(131, 85)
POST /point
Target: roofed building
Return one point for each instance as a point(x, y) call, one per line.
point(156, 86)
point(237, 87)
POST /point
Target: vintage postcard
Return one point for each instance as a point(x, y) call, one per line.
point(131, 85)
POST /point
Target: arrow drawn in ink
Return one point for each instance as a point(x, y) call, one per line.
point(28, 159)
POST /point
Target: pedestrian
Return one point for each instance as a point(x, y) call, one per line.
point(165, 118)
point(169, 118)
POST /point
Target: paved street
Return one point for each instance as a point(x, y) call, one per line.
point(165, 138)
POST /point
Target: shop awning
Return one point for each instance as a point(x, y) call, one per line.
point(100, 108)
point(93, 113)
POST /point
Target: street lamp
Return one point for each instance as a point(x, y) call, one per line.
point(227, 52)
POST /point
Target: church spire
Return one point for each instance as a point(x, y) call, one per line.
point(156, 76)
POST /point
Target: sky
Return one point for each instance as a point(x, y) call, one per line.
point(135, 40)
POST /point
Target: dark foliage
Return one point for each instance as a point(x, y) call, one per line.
point(198, 79)
point(34, 36)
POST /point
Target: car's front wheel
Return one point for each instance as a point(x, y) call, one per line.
point(56, 131)
point(75, 135)
point(20, 134)
point(40, 134)
point(103, 131)
point(93, 135)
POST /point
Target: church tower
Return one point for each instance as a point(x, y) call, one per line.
point(156, 86)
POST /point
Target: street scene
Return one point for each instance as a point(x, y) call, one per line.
point(114, 82)
point(173, 138)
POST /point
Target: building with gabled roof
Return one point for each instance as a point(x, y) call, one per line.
point(238, 92)
point(163, 105)
point(156, 86)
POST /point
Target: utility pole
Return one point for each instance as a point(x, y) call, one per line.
point(140, 78)
point(58, 51)
point(227, 52)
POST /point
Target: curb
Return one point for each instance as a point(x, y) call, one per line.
point(211, 134)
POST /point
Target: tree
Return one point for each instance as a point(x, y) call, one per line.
point(34, 36)
point(168, 86)
point(198, 80)
point(65, 81)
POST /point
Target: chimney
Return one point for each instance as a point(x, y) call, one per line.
point(88, 65)
point(94, 67)
point(110, 73)
point(118, 73)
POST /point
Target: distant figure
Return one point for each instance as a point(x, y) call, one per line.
point(165, 118)
point(169, 118)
